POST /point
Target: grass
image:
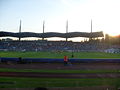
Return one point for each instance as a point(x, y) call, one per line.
point(56, 82)
point(57, 71)
point(59, 55)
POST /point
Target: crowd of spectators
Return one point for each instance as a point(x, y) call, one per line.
point(43, 45)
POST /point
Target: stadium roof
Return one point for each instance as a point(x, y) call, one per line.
point(51, 34)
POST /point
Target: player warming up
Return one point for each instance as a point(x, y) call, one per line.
point(65, 60)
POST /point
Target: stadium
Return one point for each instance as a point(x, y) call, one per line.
point(93, 63)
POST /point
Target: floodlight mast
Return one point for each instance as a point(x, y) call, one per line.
point(20, 31)
point(67, 29)
point(91, 30)
point(91, 25)
point(43, 28)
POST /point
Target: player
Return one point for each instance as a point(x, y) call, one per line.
point(65, 60)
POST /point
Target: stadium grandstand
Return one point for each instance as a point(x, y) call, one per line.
point(93, 43)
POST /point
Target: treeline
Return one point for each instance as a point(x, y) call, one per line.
point(112, 39)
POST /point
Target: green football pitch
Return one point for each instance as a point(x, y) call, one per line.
point(59, 54)
point(56, 82)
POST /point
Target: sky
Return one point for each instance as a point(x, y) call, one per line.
point(105, 15)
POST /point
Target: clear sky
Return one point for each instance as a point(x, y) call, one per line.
point(105, 15)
